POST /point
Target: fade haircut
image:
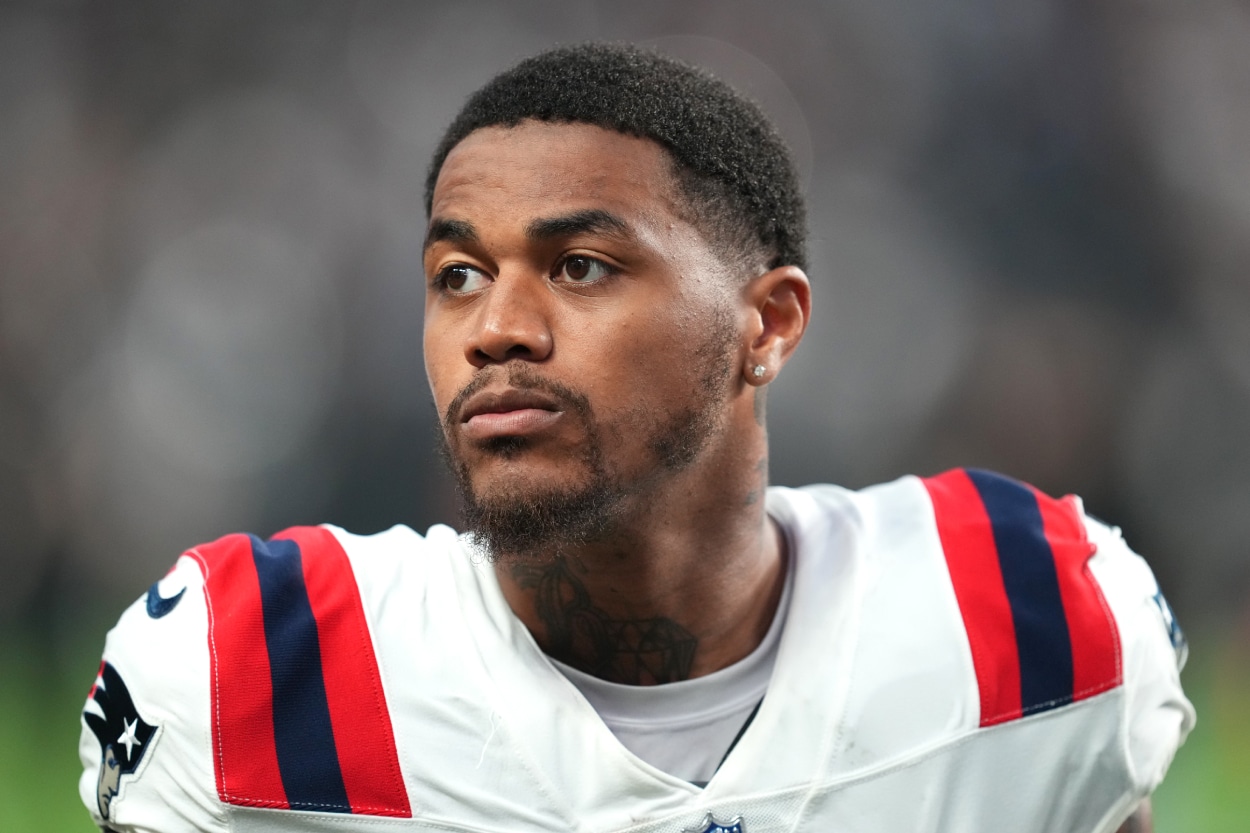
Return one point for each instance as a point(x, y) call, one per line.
point(730, 165)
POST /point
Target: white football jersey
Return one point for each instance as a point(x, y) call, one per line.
point(961, 654)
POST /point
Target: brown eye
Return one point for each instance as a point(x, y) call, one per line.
point(460, 278)
point(582, 269)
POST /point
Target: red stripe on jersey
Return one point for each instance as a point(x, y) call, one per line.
point(244, 753)
point(972, 559)
point(96, 685)
point(363, 735)
point(1094, 635)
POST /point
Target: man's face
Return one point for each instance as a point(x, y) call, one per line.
point(581, 337)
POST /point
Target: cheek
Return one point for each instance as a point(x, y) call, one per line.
point(642, 365)
point(681, 346)
point(631, 352)
point(440, 367)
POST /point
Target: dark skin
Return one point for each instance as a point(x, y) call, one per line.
point(616, 309)
point(566, 249)
point(1142, 820)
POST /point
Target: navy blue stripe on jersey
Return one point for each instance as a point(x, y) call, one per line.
point(303, 736)
point(1032, 584)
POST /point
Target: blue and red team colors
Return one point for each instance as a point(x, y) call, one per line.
point(960, 653)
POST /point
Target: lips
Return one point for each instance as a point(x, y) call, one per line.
point(508, 413)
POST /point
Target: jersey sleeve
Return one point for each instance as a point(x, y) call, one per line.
point(1062, 616)
point(244, 682)
point(146, 741)
point(1157, 715)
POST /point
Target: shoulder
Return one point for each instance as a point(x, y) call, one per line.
point(228, 671)
point(1154, 650)
point(300, 568)
point(1058, 610)
point(971, 624)
point(1083, 613)
point(1041, 631)
point(295, 554)
point(1055, 607)
point(144, 743)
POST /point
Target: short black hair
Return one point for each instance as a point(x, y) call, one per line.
point(731, 165)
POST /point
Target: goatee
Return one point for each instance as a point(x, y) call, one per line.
point(535, 523)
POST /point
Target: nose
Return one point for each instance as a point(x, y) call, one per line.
point(512, 322)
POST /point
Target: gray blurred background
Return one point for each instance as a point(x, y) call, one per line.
point(1030, 228)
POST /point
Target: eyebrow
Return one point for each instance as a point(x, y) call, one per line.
point(589, 221)
point(454, 231)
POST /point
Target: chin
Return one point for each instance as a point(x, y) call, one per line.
point(521, 476)
point(540, 516)
point(507, 448)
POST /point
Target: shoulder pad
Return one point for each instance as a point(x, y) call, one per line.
point(300, 717)
point(1041, 633)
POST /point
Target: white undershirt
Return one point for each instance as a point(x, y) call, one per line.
point(686, 728)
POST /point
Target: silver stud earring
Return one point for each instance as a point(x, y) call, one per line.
point(757, 371)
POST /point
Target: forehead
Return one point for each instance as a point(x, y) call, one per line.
point(557, 166)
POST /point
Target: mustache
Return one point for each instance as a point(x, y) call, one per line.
point(520, 377)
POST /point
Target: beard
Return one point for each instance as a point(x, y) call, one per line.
point(527, 520)
point(541, 521)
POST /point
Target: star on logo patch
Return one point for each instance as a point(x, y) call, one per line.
point(124, 736)
point(711, 825)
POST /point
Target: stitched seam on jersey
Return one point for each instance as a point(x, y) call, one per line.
point(207, 736)
point(1102, 601)
point(1115, 641)
point(219, 745)
point(977, 656)
point(1083, 694)
point(976, 648)
point(1098, 687)
point(379, 697)
point(980, 660)
point(212, 647)
point(353, 822)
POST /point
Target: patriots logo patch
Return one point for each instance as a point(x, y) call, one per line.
point(1177, 636)
point(711, 825)
point(124, 736)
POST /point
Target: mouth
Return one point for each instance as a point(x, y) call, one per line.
point(513, 412)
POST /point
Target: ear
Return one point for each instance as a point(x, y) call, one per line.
point(778, 305)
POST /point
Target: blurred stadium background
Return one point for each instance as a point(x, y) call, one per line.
point(1030, 225)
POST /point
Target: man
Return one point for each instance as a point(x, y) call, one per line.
point(634, 635)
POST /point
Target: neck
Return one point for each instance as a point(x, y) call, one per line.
point(689, 583)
